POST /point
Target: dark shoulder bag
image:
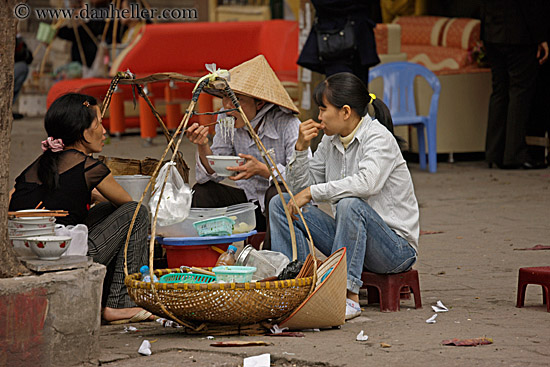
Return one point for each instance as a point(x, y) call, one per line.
point(337, 44)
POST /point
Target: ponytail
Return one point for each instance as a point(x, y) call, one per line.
point(47, 170)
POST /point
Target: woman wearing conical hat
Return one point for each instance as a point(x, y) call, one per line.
point(272, 114)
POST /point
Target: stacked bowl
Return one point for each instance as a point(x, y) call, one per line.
point(22, 228)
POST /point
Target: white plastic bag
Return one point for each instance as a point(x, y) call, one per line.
point(176, 198)
point(79, 238)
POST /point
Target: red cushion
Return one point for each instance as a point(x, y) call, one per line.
point(421, 30)
point(437, 58)
point(186, 47)
point(95, 86)
point(461, 33)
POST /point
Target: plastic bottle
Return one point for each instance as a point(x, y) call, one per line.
point(228, 257)
point(145, 274)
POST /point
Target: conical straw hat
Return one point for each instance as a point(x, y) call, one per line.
point(255, 78)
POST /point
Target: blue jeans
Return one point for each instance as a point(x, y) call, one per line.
point(370, 244)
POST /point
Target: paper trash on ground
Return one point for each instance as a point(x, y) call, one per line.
point(145, 348)
point(440, 307)
point(362, 337)
point(277, 330)
point(168, 323)
point(263, 360)
point(431, 320)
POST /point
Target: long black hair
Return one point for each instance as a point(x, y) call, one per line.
point(346, 89)
point(66, 119)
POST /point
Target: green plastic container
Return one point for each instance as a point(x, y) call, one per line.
point(217, 226)
point(234, 274)
point(186, 278)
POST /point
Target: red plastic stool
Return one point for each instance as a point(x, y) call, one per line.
point(536, 275)
point(386, 288)
point(255, 240)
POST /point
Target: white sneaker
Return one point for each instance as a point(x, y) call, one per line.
point(352, 309)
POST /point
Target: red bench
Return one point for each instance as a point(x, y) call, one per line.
point(185, 48)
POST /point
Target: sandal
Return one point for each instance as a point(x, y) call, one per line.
point(141, 316)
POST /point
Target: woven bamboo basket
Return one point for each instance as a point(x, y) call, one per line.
point(129, 166)
point(223, 303)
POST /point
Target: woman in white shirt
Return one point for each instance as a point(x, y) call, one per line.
point(359, 169)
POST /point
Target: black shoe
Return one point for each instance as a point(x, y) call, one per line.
point(510, 166)
point(505, 166)
point(17, 116)
point(534, 165)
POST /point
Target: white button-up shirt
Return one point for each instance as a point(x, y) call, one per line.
point(371, 168)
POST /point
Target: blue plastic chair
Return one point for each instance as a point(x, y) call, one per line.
point(398, 80)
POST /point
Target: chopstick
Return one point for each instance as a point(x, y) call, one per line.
point(209, 124)
point(192, 269)
point(48, 213)
point(38, 206)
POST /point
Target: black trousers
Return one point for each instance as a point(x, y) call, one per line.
point(539, 123)
point(514, 74)
point(352, 66)
point(215, 195)
point(107, 230)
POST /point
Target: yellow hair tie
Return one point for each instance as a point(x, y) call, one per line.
point(373, 97)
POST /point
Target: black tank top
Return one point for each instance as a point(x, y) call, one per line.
point(78, 173)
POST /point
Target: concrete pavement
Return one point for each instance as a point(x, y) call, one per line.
point(486, 217)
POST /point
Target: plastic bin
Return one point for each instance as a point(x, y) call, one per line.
point(244, 216)
point(185, 228)
point(234, 274)
point(241, 213)
point(201, 256)
point(135, 186)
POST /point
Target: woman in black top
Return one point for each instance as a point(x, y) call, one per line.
point(67, 177)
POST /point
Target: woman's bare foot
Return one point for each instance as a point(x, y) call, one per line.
point(110, 314)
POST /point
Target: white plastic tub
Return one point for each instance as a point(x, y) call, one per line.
point(185, 228)
point(241, 213)
point(135, 186)
point(244, 217)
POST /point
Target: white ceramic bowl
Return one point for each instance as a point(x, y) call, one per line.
point(49, 247)
point(32, 219)
point(22, 247)
point(220, 162)
point(37, 224)
point(16, 232)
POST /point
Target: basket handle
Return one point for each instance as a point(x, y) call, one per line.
point(182, 126)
